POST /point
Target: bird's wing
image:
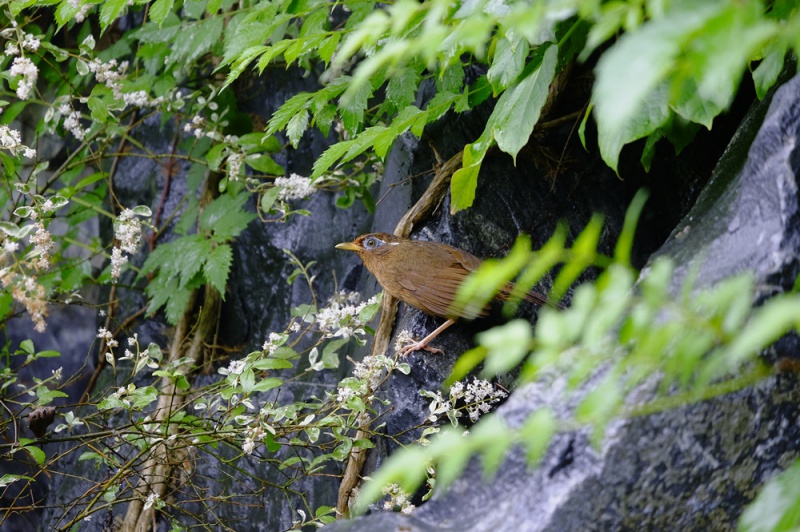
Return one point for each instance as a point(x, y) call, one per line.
point(433, 290)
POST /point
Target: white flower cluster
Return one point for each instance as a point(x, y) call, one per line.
point(341, 316)
point(80, 16)
point(111, 75)
point(274, 341)
point(11, 140)
point(371, 369)
point(397, 499)
point(42, 242)
point(235, 162)
point(128, 231)
point(200, 127)
point(253, 436)
point(236, 367)
point(29, 42)
point(153, 501)
point(72, 122)
point(140, 359)
point(24, 67)
point(294, 187)
point(30, 294)
point(477, 395)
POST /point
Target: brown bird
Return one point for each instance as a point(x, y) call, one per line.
point(425, 275)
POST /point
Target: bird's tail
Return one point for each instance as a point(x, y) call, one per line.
point(532, 296)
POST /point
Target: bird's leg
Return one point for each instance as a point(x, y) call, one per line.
point(423, 344)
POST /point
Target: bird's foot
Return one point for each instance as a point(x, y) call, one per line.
point(416, 346)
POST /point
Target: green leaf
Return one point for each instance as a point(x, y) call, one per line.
point(653, 114)
point(766, 73)
point(401, 90)
point(36, 453)
point(536, 433)
point(267, 383)
point(265, 164)
point(215, 155)
point(243, 36)
point(89, 180)
point(508, 62)
point(298, 103)
point(328, 47)
point(296, 127)
point(507, 345)
point(109, 11)
point(777, 507)
point(352, 109)
point(465, 180)
point(226, 217)
point(176, 305)
point(634, 68)
point(719, 54)
point(11, 229)
point(269, 198)
point(152, 33)
point(196, 40)
point(518, 109)
point(217, 267)
point(160, 9)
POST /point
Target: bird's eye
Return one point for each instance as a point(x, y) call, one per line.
point(371, 242)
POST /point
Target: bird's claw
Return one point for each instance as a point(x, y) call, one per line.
point(416, 346)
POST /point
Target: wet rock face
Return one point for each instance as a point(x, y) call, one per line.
point(690, 468)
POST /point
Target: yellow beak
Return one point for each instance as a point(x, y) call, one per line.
point(349, 246)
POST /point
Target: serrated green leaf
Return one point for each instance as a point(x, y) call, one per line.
point(192, 253)
point(242, 37)
point(352, 108)
point(176, 305)
point(294, 105)
point(296, 127)
point(226, 217)
point(217, 267)
point(401, 90)
point(110, 10)
point(160, 9)
point(328, 47)
point(329, 158)
point(324, 118)
point(196, 40)
point(155, 33)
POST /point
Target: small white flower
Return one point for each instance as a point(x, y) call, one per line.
point(294, 187)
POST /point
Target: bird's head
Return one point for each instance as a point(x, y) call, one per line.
point(372, 243)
